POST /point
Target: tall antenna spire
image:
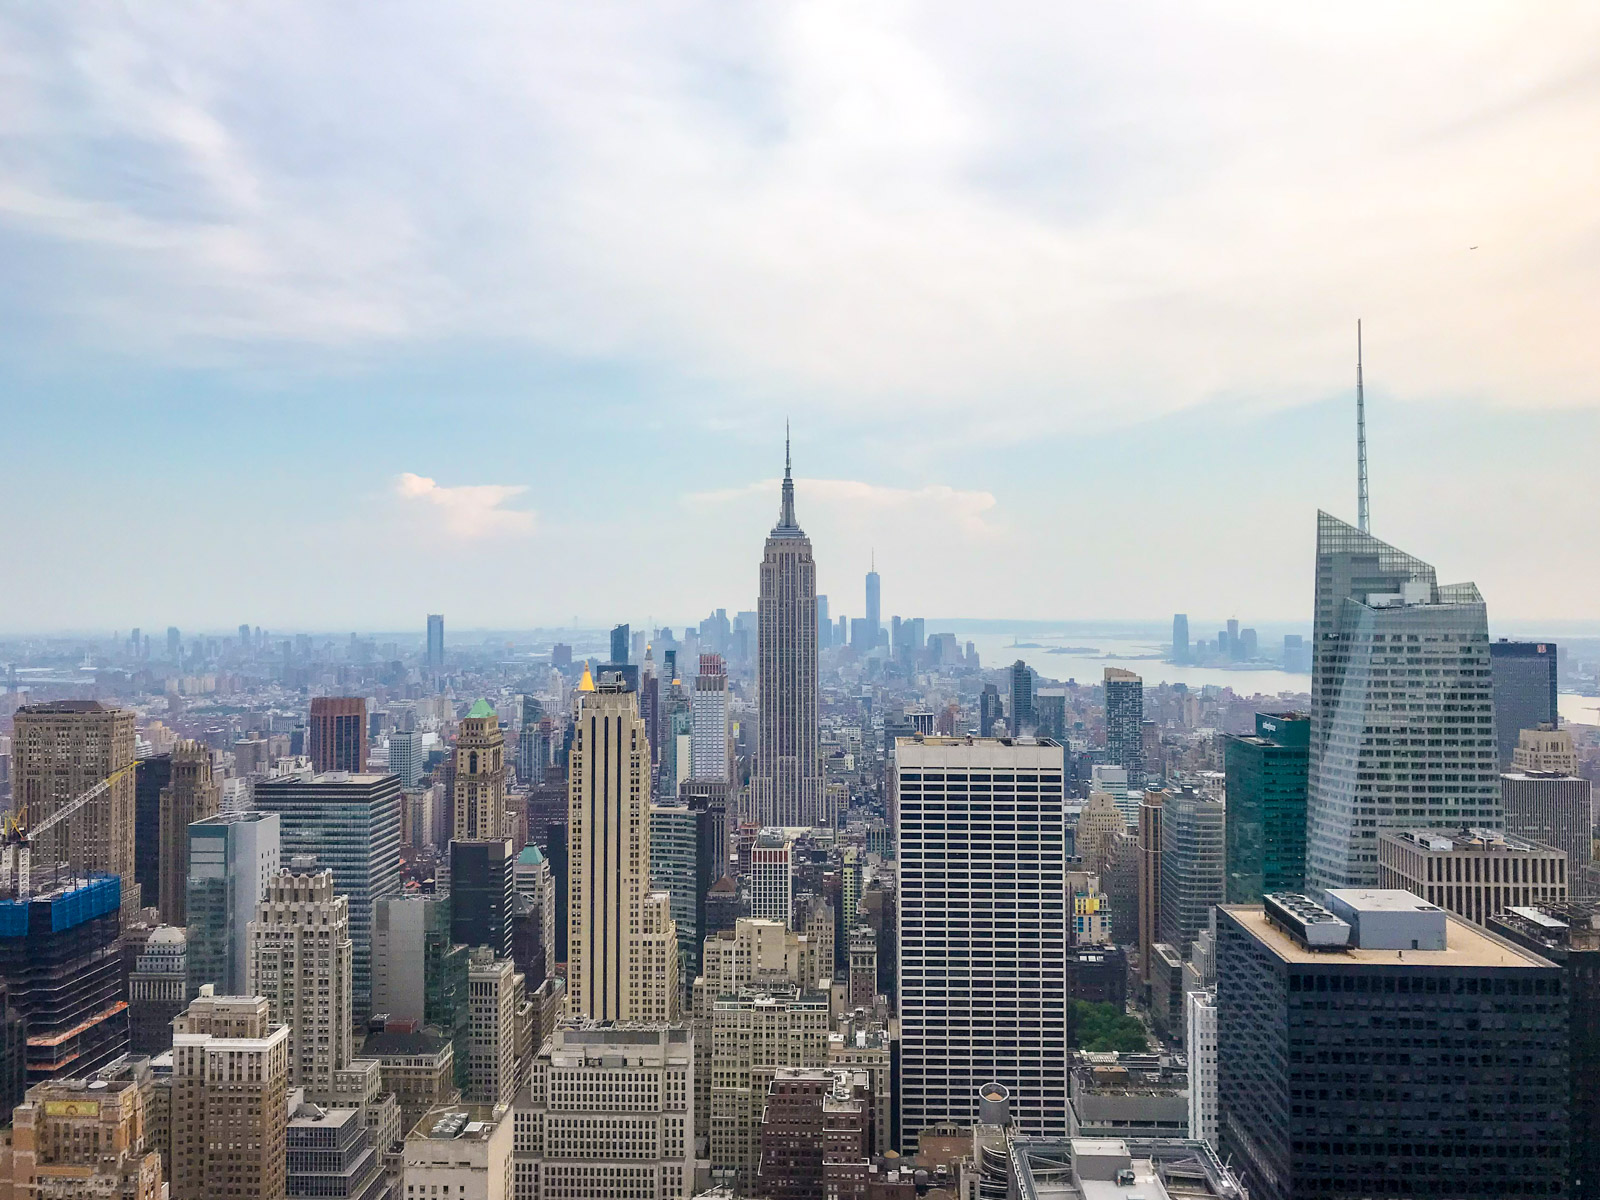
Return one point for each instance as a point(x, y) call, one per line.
point(786, 509)
point(1363, 520)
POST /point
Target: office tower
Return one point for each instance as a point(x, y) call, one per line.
point(1192, 867)
point(861, 981)
point(1545, 749)
point(351, 825)
point(711, 747)
point(59, 751)
point(232, 858)
point(1524, 675)
point(679, 867)
point(300, 960)
point(493, 987)
point(1200, 1045)
point(609, 1115)
point(533, 752)
point(61, 956)
point(874, 610)
point(337, 738)
point(479, 794)
point(13, 1054)
point(1235, 648)
point(1381, 726)
point(533, 877)
point(711, 797)
point(1377, 981)
point(1019, 716)
point(465, 1148)
point(622, 953)
point(150, 776)
point(1569, 936)
point(230, 1093)
point(481, 886)
point(772, 877)
point(989, 710)
point(191, 795)
point(1473, 873)
point(330, 1152)
point(405, 757)
point(1125, 722)
point(1098, 823)
point(982, 929)
point(1266, 821)
point(1249, 646)
point(814, 1116)
point(814, 916)
point(420, 970)
point(786, 786)
point(1151, 811)
point(83, 1137)
point(435, 651)
point(418, 1067)
point(174, 643)
point(824, 624)
point(1180, 638)
point(158, 990)
point(1551, 808)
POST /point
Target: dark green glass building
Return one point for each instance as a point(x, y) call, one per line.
point(1266, 820)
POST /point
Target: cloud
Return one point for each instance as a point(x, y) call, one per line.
point(934, 509)
point(1086, 214)
point(471, 511)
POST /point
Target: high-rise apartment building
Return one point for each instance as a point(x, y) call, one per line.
point(1125, 722)
point(59, 751)
point(158, 990)
point(1150, 872)
point(230, 1093)
point(1192, 864)
point(1402, 718)
point(981, 850)
point(772, 877)
point(338, 734)
point(351, 825)
point(232, 859)
point(1524, 691)
point(61, 958)
point(1473, 873)
point(1200, 1046)
point(434, 656)
point(1266, 821)
point(786, 784)
point(405, 757)
point(300, 961)
point(480, 776)
point(622, 952)
point(192, 794)
point(83, 1137)
point(711, 745)
point(493, 993)
point(1341, 1035)
point(1019, 714)
point(481, 887)
point(609, 1115)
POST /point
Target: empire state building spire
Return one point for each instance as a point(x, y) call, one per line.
point(787, 526)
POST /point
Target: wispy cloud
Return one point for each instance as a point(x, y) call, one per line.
point(471, 511)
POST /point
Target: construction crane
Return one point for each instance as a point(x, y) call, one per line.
point(17, 836)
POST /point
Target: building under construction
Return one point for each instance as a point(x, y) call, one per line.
point(60, 955)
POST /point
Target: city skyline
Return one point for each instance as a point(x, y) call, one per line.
point(237, 277)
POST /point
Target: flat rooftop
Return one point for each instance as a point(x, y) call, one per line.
point(456, 1123)
point(1459, 841)
point(1469, 946)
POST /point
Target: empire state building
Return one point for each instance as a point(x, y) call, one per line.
point(786, 785)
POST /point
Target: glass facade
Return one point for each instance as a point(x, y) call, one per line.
point(1266, 820)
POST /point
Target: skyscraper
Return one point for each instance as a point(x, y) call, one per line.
point(1019, 716)
point(533, 752)
point(1402, 718)
point(480, 776)
point(772, 877)
point(982, 929)
point(1180, 638)
point(191, 795)
point(493, 988)
point(150, 776)
point(158, 990)
point(300, 960)
point(1192, 845)
point(59, 751)
point(351, 826)
point(619, 644)
point(622, 953)
point(874, 609)
point(824, 624)
point(481, 886)
point(232, 859)
point(786, 786)
point(711, 747)
point(435, 652)
point(1524, 691)
point(1266, 820)
point(990, 710)
point(338, 740)
point(405, 757)
point(1125, 723)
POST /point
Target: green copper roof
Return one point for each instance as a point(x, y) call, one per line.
point(531, 854)
point(481, 709)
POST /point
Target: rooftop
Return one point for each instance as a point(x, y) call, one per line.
point(479, 710)
point(1458, 841)
point(1468, 946)
point(531, 855)
point(1119, 1169)
point(456, 1122)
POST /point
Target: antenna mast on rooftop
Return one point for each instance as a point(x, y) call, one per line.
point(1362, 518)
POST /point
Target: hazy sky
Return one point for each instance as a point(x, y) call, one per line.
point(329, 315)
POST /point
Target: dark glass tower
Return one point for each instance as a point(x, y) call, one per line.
point(481, 886)
point(1524, 691)
point(1266, 824)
